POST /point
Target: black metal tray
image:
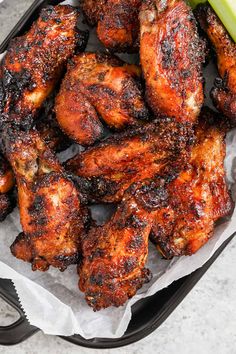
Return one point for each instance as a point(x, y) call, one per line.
point(147, 314)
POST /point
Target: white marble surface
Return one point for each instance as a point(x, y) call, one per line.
point(204, 323)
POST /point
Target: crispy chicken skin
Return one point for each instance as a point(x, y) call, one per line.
point(171, 56)
point(51, 215)
point(97, 83)
point(118, 28)
point(93, 10)
point(114, 255)
point(34, 62)
point(106, 170)
point(224, 94)
point(49, 129)
point(7, 179)
point(7, 182)
point(117, 22)
point(7, 204)
point(197, 198)
point(52, 134)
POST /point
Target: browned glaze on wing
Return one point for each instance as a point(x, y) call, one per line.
point(7, 181)
point(117, 22)
point(118, 27)
point(114, 255)
point(93, 10)
point(52, 134)
point(49, 129)
point(171, 55)
point(97, 83)
point(33, 63)
point(7, 204)
point(224, 94)
point(197, 198)
point(106, 170)
point(51, 215)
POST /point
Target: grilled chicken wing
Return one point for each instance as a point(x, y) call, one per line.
point(171, 56)
point(224, 94)
point(34, 62)
point(7, 182)
point(106, 170)
point(51, 215)
point(197, 198)
point(181, 213)
point(117, 22)
point(113, 266)
point(95, 84)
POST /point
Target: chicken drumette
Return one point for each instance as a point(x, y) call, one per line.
point(106, 170)
point(34, 62)
point(51, 215)
point(114, 255)
point(98, 83)
point(117, 22)
point(171, 56)
point(224, 94)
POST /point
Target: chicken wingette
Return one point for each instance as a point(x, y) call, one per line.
point(51, 215)
point(97, 83)
point(224, 93)
point(198, 197)
point(106, 170)
point(34, 62)
point(117, 22)
point(171, 55)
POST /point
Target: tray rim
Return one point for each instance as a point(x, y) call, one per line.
point(187, 283)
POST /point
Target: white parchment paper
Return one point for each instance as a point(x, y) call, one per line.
point(52, 300)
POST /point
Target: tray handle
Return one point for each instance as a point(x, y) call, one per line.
point(16, 332)
point(20, 330)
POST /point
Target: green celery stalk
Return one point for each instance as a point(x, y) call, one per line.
point(226, 11)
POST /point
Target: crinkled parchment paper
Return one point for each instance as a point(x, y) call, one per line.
point(52, 300)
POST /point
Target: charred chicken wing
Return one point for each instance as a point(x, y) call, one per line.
point(51, 215)
point(34, 62)
point(106, 170)
point(171, 55)
point(117, 22)
point(197, 198)
point(113, 266)
point(98, 83)
point(224, 94)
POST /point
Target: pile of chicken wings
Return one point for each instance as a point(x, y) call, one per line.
point(162, 163)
